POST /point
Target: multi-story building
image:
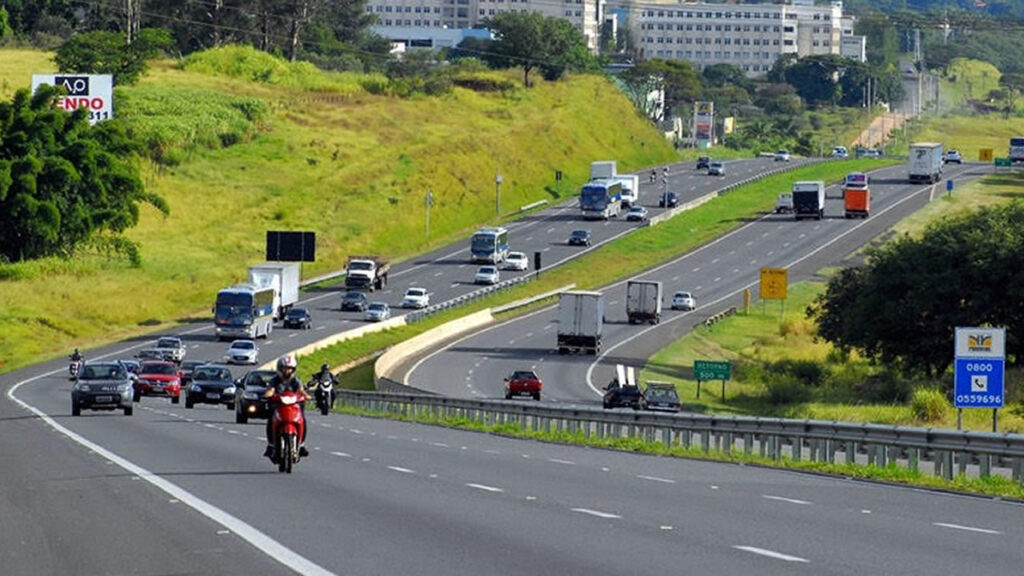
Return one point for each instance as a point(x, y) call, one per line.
point(396, 17)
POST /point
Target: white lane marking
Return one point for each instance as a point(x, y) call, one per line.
point(439, 444)
point(491, 452)
point(402, 470)
point(666, 527)
point(782, 499)
point(438, 274)
point(967, 528)
point(355, 431)
point(342, 454)
point(483, 487)
point(558, 461)
point(655, 479)
point(596, 513)
point(772, 554)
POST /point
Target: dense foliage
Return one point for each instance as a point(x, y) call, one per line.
point(62, 182)
point(109, 53)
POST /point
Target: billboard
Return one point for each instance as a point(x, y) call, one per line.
point(703, 123)
point(94, 92)
point(285, 246)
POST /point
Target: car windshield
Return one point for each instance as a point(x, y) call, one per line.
point(243, 345)
point(716, 164)
point(210, 373)
point(355, 296)
point(259, 378)
point(524, 374)
point(661, 394)
point(516, 256)
point(103, 372)
point(580, 233)
point(378, 307)
point(486, 270)
point(159, 368)
point(167, 343)
point(683, 295)
point(415, 292)
point(637, 209)
point(296, 312)
point(360, 265)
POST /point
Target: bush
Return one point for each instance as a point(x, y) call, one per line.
point(786, 389)
point(929, 405)
point(884, 387)
point(809, 372)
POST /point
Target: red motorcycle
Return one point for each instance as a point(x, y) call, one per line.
point(287, 425)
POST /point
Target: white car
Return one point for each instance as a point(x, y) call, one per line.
point(953, 157)
point(716, 168)
point(377, 312)
point(683, 300)
point(840, 152)
point(416, 298)
point(487, 275)
point(782, 155)
point(516, 261)
point(242, 352)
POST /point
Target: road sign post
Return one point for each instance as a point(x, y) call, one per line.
point(711, 370)
point(979, 369)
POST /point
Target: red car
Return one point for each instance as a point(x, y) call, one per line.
point(523, 383)
point(158, 379)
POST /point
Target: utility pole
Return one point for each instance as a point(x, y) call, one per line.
point(133, 13)
point(429, 202)
point(497, 194)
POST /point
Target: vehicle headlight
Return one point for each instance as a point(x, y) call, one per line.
point(82, 387)
point(196, 388)
point(230, 390)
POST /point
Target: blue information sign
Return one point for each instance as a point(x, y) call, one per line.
point(978, 383)
point(949, 185)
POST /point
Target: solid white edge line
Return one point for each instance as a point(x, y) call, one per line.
point(656, 479)
point(596, 513)
point(402, 470)
point(771, 554)
point(783, 499)
point(484, 487)
point(967, 528)
point(272, 548)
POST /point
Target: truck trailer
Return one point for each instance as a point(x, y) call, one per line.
point(643, 301)
point(809, 199)
point(283, 277)
point(925, 163)
point(580, 322)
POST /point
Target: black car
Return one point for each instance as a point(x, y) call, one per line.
point(211, 384)
point(354, 301)
point(186, 369)
point(579, 238)
point(298, 318)
point(617, 395)
point(102, 386)
point(703, 162)
point(668, 200)
point(661, 396)
point(249, 400)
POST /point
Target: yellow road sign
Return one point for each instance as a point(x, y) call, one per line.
point(773, 283)
point(985, 155)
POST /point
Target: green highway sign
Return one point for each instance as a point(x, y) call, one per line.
point(1002, 162)
point(709, 370)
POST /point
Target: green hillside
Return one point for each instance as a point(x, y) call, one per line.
point(331, 153)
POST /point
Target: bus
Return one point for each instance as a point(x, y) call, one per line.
point(489, 245)
point(244, 311)
point(1017, 149)
point(601, 198)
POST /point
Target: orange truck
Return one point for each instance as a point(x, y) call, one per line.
point(856, 195)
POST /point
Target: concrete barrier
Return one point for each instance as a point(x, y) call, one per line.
point(399, 352)
point(369, 328)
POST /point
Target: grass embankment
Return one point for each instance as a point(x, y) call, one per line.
point(300, 149)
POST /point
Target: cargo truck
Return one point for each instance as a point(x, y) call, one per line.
point(856, 195)
point(630, 189)
point(603, 169)
point(367, 272)
point(580, 322)
point(809, 199)
point(925, 163)
point(283, 277)
point(643, 301)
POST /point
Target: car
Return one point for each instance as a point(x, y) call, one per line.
point(154, 354)
point(523, 383)
point(637, 214)
point(250, 401)
point(953, 157)
point(784, 205)
point(132, 366)
point(158, 378)
point(661, 396)
point(517, 261)
point(782, 155)
point(617, 395)
point(703, 162)
point(354, 301)
point(579, 238)
point(416, 298)
point(102, 386)
point(377, 312)
point(173, 347)
point(487, 275)
point(683, 300)
point(298, 318)
point(716, 168)
point(869, 153)
point(242, 352)
point(840, 152)
point(668, 200)
point(211, 384)
point(186, 368)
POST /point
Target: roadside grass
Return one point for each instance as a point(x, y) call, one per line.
point(965, 80)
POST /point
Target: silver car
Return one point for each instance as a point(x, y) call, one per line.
point(487, 275)
point(102, 386)
point(242, 352)
point(716, 168)
point(377, 312)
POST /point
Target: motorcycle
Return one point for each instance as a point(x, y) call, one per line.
point(73, 368)
point(288, 426)
point(323, 389)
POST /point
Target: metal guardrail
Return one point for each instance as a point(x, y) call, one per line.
point(950, 451)
point(714, 318)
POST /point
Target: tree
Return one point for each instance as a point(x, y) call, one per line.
point(62, 182)
point(814, 78)
point(109, 53)
point(532, 40)
point(677, 78)
point(1012, 85)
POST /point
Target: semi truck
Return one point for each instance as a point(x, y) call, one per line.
point(925, 164)
point(367, 272)
point(283, 277)
point(643, 301)
point(580, 322)
point(809, 199)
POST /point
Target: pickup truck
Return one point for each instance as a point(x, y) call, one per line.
point(172, 347)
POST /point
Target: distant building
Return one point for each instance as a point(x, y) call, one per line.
point(854, 47)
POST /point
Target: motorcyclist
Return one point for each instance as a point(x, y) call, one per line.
point(285, 381)
point(322, 375)
point(76, 356)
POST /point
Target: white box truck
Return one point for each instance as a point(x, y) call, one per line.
point(630, 189)
point(580, 322)
point(643, 301)
point(809, 199)
point(603, 169)
point(283, 277)
point(925, 164)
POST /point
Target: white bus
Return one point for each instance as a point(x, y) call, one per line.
point(244, 311)
point(601, 199)
point(1017, 149)
point(489, 245)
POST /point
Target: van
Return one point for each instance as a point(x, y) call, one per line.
point(784, 205)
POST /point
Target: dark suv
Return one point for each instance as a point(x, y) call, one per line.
point(616, 396)
point(354, 301)
point(102, 386)
point(668, 200)
point(703, 162)
point(249, 400)
point(579, 238)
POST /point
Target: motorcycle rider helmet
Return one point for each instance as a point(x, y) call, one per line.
point(325, 368)
point(286, 362)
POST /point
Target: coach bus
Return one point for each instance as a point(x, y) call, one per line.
point(489, 245)
point(601, 199)
point(244, 311)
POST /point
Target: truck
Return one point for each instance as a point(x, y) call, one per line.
point(630, 189)
point(603, 169)
point(283, 277)
point(856, 195)
point(580, 322)
point(643, 301)
point(925, 164)
point(809, 199)
point(367, 272)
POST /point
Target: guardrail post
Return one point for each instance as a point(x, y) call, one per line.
point(851, 452)
point(913, 459)
point(666, 437)
point(798, 445)
point(961, 462)
point(1017, 464)
point(748, 441)
point(705, 441)
point(762, 447)
point(984, 465)
point(947, 464)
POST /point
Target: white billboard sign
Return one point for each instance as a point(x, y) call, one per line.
point(95, 92)
point(980, 342)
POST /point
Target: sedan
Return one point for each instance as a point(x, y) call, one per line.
point(579, 238)
point(158, 378)
point(682, 300)
point(186, 368)
point(354, 301)
point(716, 169)
point(416, 298)
point(668, 200)
point(211, 384)
point(242, 352)
point(249, 400)
point(154, 354)
point(102, 386)
point(661, 396)
point(298, 318)
point(377, 312)
point(782, 155)
point(637, 214)
point(523, 383)
point(487, 275)
point(953, 157)
point(517, 261)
